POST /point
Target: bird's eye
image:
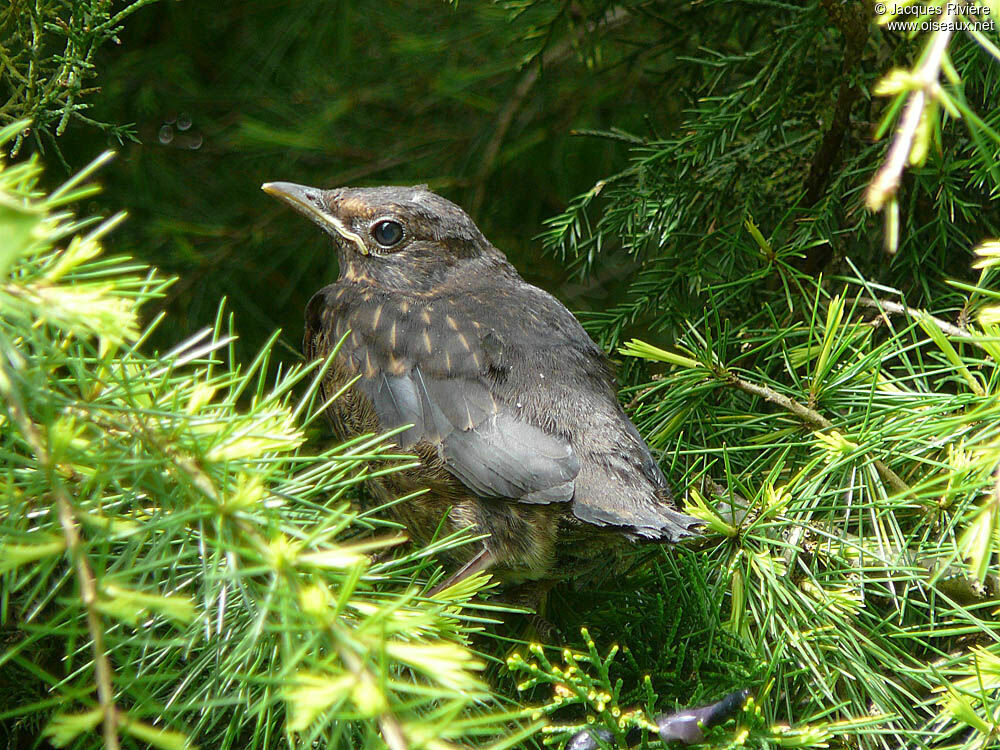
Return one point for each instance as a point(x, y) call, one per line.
point(387, 232)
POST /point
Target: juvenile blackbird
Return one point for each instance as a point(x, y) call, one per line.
point(515, 417)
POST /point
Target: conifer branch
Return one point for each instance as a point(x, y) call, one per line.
point(103, 673)
point(810, 417)
point(852, 22)
point(392, 731)
point(887, 179)
point(897, 308)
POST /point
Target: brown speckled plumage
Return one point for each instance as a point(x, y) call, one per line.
point(516, 422)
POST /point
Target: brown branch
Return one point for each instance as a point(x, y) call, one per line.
point(67, 520)
point(489, 157)
point(823, 161)
point(808, 416)
point(951, 580)
point(852, 23)
point(392, 730)
point(898, 309)
point(886, 181)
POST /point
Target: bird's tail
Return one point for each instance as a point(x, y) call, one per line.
point(664, 522)
point(679, 525)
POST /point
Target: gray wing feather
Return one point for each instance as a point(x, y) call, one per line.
point(504, 457)
point(398, 401)
point(485, 446)
point(466, 403)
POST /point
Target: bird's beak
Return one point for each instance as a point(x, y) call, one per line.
point(309, 201)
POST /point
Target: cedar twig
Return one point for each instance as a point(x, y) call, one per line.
point(810, 417)
point(886, 181)
point(853, 25)
point(952, 580)
point(67, 520)
point(392, 730)
point(899, 309)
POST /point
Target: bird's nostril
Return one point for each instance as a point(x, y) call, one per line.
point(312, 196)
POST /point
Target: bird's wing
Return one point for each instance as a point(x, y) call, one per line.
point(483, 444)
point(428, 368)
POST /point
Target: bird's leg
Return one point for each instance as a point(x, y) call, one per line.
point(534, 596)
point(482, 560)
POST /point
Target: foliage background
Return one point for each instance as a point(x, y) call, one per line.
point(691, 174)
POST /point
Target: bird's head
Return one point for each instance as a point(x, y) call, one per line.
point(396, 236)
